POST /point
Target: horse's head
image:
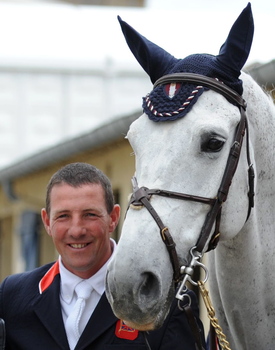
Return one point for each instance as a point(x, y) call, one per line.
point(182, 144)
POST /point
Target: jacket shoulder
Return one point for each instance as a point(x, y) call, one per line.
point(20, 282)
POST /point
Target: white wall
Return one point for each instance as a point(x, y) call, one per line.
point(41, 106)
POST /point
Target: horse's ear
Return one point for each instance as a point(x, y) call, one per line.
point(153, 59)
point(234, 52)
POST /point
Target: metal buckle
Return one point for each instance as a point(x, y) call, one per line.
point(188, 272)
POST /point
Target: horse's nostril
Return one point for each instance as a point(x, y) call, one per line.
point(149, 289)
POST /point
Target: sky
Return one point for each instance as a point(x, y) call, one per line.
point(35, 32)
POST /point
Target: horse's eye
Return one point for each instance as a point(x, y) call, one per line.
point(213, 144)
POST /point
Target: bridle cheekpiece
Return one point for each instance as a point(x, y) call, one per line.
point(141, 196)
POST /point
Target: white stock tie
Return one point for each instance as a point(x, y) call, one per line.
point(83, 291)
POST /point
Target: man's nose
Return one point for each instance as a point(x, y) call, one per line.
point(77, 227)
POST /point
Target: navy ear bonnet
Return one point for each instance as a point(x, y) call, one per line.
point(172, 101)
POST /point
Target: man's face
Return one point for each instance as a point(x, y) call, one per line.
point(80, 227)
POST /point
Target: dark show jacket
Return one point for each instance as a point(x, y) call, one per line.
point(34, 320)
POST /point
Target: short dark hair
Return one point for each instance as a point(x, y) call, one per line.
point(78, 174)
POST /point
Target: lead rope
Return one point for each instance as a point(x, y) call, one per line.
point(146, 341)
point(188, 271)
point(224, 344)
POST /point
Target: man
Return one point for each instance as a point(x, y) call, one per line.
point(41, 308)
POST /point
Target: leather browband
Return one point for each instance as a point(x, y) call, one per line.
point(208, 82)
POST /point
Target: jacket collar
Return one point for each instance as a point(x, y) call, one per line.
point(49, 277)
point(48, 309)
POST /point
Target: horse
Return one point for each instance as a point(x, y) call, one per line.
point(204, 183)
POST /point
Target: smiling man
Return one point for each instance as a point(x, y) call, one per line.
point(62, 305)
point(80, 219)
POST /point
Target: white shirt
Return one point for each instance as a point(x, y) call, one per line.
point(68, 296)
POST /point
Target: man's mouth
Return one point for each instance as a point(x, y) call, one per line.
point(78, 245)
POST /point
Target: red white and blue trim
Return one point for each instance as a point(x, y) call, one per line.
point(48, 278)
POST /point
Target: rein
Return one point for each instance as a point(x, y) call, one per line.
point(141, 196)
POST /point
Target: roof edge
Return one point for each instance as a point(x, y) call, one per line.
point(263, 74)
point(103, 135)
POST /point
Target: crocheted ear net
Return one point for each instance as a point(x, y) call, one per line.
point(173, 101)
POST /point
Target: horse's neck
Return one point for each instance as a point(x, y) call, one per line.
point(259, 231)
point(243, 267)
point(261, 121)
point(242, 282)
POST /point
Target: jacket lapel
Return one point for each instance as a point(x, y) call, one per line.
point(48, 309)
point(101, 319)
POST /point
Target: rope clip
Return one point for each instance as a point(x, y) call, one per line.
point(188, 271)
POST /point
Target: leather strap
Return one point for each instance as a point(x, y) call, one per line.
point(232, 162)
point(141, 196)
point(194, 327)
point(211, 83)
point(228, 175)
point(212, 338)
point(2, 334)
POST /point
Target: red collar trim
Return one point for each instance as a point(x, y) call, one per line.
point(48, 278)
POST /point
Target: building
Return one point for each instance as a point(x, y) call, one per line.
point(23, 241)
point(61, 80)
point(264, 75)
point(43, 105)
point(24, 244)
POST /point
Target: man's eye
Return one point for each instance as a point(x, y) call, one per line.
point(63, 215)
point(91, 215)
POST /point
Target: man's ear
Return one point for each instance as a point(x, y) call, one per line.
point(114, 215)
point(46, 220)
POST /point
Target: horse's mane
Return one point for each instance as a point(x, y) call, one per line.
point(255, 91)
point(260, 104)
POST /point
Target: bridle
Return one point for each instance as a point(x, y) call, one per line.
point(141, 195)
